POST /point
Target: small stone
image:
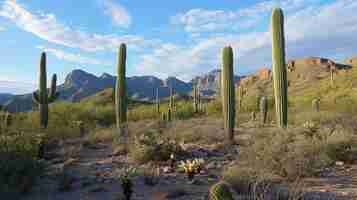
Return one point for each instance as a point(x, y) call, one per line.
point(167, 169)
point(97, 189)
point(339, 163)
point(211, 165)
point(69, 162)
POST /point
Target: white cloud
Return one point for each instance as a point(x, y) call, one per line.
point(313, 30)
point(47, 27)
point(15, 87)
point(117, 12)
point(203, 20)
point(70, 57)
point(2, 28)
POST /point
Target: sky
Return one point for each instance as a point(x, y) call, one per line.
point(164, 38)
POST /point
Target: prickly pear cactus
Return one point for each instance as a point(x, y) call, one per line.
point(220, 191)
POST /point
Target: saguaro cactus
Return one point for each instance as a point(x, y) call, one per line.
point(239, 92)
point(121, 93)
point(172, 99)
point(42, 98)
point(196, 98)
point(263, 109)
point(169, 115)
point(279, 68)
point(316, 105)
point(157, 101)
point(228, 97)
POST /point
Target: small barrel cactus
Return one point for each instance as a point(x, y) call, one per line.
point(220, 191)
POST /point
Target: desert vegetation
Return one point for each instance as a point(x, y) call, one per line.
point(260, 140)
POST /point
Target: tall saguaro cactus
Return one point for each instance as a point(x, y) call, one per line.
point(228, 90)
point(120, 93)
point(263, 109)
point(172, 99)
point(41, 97)
point(196, 98)
point(157, 101)
point(279, 68)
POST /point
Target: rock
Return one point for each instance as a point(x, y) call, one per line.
point(87, 183)
point(199, 153)
point(263, 73)
point(159, 196)
point(167, 169)
point(339, 163)
point(176, 193)
point(211, 165)
point(118, 151)
point(69, 162)
point(97, 189)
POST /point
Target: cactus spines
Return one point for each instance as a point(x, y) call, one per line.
point(120, 93)
point(263, 106)
point(228, 97)
point(220, 191)
point(316, 105)
point(42, 98)
point(279, 68)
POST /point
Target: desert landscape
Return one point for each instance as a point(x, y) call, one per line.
point(283, 132)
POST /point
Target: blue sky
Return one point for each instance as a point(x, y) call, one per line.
point(164, 38)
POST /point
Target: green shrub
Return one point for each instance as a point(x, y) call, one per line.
point(214, 108)
point(184, 111)
point(19, 165)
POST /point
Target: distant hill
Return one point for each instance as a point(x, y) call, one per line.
point(4, 97)
point(306, 77)
point(209, 83)
point(80, 84)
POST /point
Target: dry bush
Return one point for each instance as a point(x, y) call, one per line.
point(153, 145)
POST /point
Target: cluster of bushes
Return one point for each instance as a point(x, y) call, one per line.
point(295, 153)
point(19, 161)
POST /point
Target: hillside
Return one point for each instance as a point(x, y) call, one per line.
point(308, 78)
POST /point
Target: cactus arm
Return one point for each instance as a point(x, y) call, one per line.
point(36, 98)
point(53, 98)
point(279, 68)
point(53, 92)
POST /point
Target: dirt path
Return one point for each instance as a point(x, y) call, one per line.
point(93, 178)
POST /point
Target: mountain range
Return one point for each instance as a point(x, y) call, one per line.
point(80, 84)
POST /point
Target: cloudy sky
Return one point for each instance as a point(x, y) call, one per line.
point(175, 38)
